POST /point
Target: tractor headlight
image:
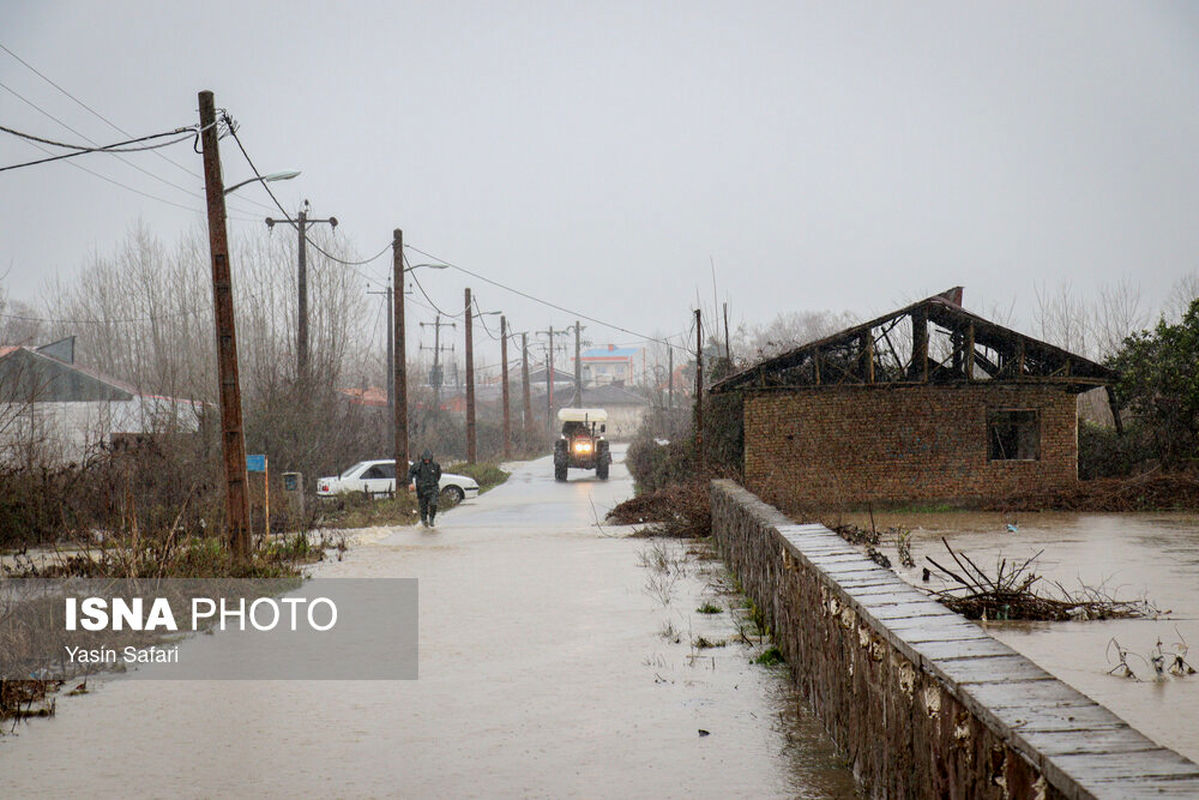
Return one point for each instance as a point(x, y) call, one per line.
point(582, 447)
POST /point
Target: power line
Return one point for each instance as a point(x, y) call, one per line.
point(120, 158)
point(115, 127)
point(118, 147)
point(408, 269)
point(483, 321)
point(232, 127)
point(88, 108)
point(115, 182)
point(542, 301)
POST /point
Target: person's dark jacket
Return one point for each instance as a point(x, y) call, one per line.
point(427, 475)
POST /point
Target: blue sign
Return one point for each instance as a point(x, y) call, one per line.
point(256, 463)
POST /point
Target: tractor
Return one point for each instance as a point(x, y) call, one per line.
point(582, 444)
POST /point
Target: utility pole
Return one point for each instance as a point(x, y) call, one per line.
point(504, 373)
point(471, 444)
point(389, 369)
point(728, 353)
point(699, 395)
point(435, 377)
point(524, 378)
point(399, 360)
point(302, 222)
point(578, 367)
point(670, 379)
point(549, 382)
point(233, 443)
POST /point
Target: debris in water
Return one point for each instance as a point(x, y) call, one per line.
point(1011, 595)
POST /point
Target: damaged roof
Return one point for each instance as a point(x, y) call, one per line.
point(932, 341)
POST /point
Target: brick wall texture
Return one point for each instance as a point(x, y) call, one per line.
point(837, 446)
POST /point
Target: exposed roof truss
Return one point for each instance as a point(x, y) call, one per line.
point(934, 341)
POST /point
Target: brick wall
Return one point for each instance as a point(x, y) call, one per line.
point(846, 445)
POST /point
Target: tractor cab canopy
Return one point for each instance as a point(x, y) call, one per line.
point(582, 415)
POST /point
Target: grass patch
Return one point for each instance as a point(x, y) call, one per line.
point(357, 510)
point(709, 608)
point(770, 657)
point(487, 475)
point(701, 643)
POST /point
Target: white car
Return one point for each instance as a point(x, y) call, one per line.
point(379, 477)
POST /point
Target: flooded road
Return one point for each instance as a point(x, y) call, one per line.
point(554, 662)
point(1128, 556)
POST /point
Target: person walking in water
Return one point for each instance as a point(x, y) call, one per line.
point(426, 473)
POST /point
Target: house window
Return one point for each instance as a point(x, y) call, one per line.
point(1013, 435)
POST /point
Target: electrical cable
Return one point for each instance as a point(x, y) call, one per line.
point(409, 271)
point(543, 302)
point(233, 131)
point(124, 160)
point(112, 148)
point(115, 182)
point(482, 321)
point(98, 115)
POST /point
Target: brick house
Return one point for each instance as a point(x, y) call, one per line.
point(929, 402)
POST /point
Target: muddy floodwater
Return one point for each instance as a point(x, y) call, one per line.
point(557, 659)
point(1129, 556)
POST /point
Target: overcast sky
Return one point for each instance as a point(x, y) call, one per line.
point(844, 156)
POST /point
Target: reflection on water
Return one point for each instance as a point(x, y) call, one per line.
point(543, 673)
point(1130, 556)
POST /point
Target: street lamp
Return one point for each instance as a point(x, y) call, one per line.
point(284, 175)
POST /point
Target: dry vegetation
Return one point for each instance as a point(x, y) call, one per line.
point(1014, 592)
point(678, 510)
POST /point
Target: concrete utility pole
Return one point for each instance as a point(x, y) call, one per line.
point(471, 444)
point(524, 378)
point(233, 443)
point(699, 394)
point(399, 360)
point(435, 377)
point(302, 222)
point(504, 379)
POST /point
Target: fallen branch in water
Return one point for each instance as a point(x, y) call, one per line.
point(1011, 594)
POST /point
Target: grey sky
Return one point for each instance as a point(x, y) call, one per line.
point(824, 155)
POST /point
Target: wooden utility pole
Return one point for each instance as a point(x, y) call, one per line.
point(399, 361)
point(302, 292)
point(524, 379)
point(699, 394)
point(728, 353)
point(504, 378)
point(670, 373)
point(471, 454)
point(549, 383)
point(578, 368)
point(233, 443)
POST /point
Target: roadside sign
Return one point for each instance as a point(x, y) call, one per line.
point(256, 463)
